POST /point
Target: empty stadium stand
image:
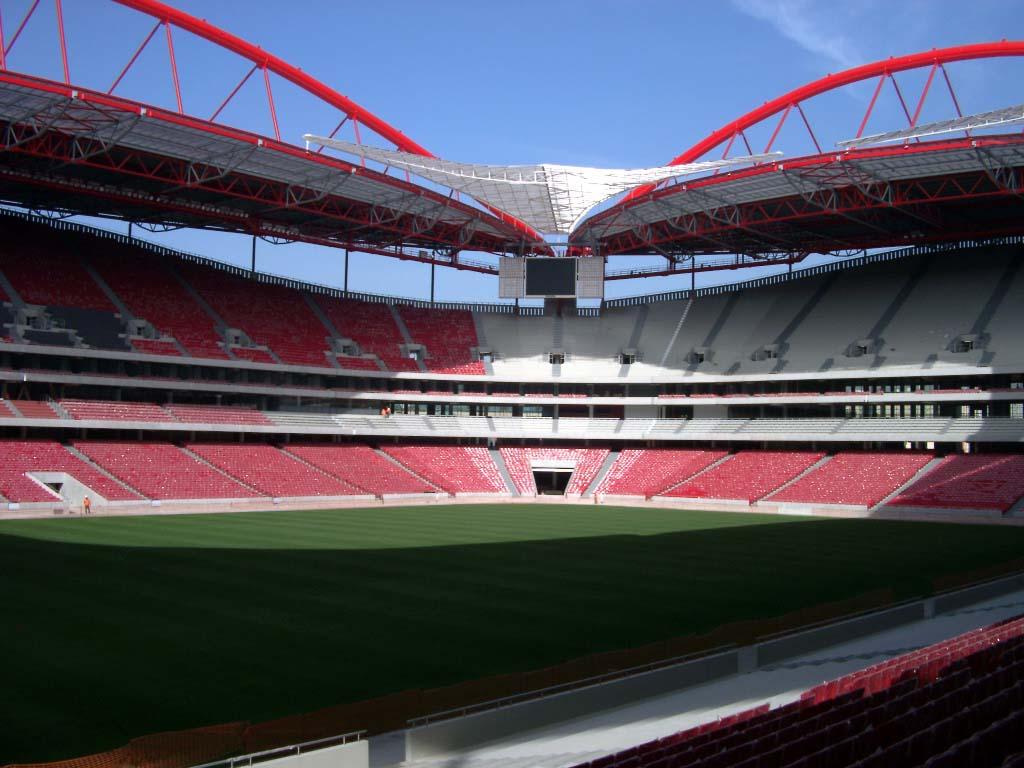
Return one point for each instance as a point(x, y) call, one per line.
point(448, 335)
point(34, 409)
point(270, 315)
point(371, 326)
point(162, 471)
point(455, 469)
point(217, 414)
point(993, 482)
point(362, 467)
point(20, 457)
point(956, 703)
point(148, 288)
point(747, 476)
point(859, 479)
point(648, 472)
point(585, 462)
point(155, 347)
point(271, 471)
point(101, 410)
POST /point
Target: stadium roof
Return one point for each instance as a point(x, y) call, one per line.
point(80, 151)
point(854, 199)
point(550, 197)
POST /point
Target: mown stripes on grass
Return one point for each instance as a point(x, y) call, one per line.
point(115, 627)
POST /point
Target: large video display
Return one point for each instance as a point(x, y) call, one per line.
point(551, 277)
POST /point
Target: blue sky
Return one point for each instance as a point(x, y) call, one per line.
point(589, 82)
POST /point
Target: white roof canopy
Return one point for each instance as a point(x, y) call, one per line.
point(552, 199)
point(976, 122)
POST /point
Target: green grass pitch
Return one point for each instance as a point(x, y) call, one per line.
point(116, 627)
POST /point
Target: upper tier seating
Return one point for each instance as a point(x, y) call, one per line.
point(6, 411)
point(588, 462)
point(217, 414)
point(156, 347)
point(455, 469)
point(448, 335)
point(649, 472)
point(152, 293)
point(362, 467)
point(747, 476)
point(20, 456)
point(35, 409)
point(959, 703)
point(44, 268)
point(968, 482)
point(270, 471)
point(162, 471)
point(103, 410)
point(371, 326)
point(858, 479)
point(271, 315)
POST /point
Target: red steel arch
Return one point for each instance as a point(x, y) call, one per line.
point(882, 69)
point(268, 61)
point(167, 17)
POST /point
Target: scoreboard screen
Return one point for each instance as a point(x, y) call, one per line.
point(550, 277)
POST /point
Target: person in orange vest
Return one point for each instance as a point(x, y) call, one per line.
point(87, 505)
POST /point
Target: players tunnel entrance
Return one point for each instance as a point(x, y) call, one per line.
point(552, 477)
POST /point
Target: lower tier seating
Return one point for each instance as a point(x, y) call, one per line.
point(162, 471)
point(270, 471)
point(856, 479)
point(969, 482)
point(587, 462)
point(747, 476)
point(362, 467)
point(453, 468)
point(19, 457)
point(649, 471)
point(959, 703)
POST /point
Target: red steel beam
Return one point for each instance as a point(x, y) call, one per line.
point(831, 82)
point(294, 75)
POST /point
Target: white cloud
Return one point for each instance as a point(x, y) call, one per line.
point(811, 25)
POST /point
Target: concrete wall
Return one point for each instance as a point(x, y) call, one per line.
point(353, 755)
point(447, 736)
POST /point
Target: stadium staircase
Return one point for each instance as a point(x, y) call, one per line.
point(321, 471)
point(665, 491)
point(602, 473)
point(388, 457)
point(196, 457)
point(676, 332)
point(499, 462)
point(635, 336)
point(102, 470)
point(407, 338)
point(814, 467)
point(334, 337)
point(917, 476)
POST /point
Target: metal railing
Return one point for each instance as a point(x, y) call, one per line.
point(270, 278)
point(288, 751)
point(821, 269)
point(540, 693)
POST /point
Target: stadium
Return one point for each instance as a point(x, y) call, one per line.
point(765, 510)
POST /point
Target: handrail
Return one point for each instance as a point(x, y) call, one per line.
point(820, 269)
point(539, 693)
point(270, 278)
point(291, 749)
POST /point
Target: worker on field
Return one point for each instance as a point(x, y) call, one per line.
point(87, 506)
